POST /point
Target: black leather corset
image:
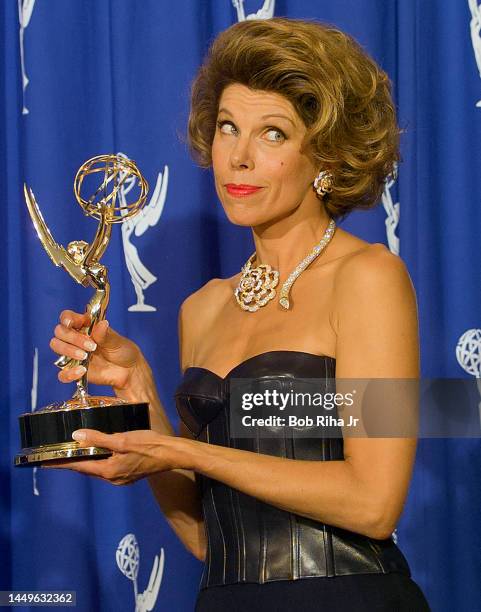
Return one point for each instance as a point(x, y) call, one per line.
point(249, 540)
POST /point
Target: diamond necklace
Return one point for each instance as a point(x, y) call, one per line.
point(257, 285)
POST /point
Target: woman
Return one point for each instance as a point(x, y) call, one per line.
point(298, 124)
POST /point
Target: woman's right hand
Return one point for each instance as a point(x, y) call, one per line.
point(113, 360)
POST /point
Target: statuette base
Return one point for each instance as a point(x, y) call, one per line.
point(46, 434)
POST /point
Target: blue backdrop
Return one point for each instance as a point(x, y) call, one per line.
point(83, 77)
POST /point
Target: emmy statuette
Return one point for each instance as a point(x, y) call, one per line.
point(46, 434)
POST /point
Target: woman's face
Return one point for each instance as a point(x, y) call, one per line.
point(257, 144)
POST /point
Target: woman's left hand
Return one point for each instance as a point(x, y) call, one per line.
point(135, 454)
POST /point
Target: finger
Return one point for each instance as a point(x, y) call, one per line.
point(58, 463)
point(100, 331)
point(76, 320)
point(108, 338)
point(91, 467)
point(70, 374)
point(92, 437)
point(64, 348)
point(76, 338)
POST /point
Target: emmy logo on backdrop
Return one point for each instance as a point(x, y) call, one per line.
point(148, 217)
point(475, 27)
point(265, 12)
point(128, 557)
point(468, 354)
point(25, 8)
point(392, 212)
point(33, 403)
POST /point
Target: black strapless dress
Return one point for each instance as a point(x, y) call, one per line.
point(264, 558)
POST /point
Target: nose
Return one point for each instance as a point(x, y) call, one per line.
point(241, 155)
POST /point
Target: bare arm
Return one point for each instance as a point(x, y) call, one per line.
point(118, 362)
point(365, 492)
point(175, 491)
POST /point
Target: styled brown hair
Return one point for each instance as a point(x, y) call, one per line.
point(340, 93)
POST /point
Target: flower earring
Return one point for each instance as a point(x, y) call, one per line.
point(323, 183)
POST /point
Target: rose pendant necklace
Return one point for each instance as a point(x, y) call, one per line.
point(257, 285)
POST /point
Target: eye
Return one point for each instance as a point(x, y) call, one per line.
point(222, 124)
point(279, 135)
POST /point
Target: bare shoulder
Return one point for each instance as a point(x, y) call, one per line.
point(375, 316)
point(373, 268)
point(207, 293)
point(202, 306)
point(196, 314)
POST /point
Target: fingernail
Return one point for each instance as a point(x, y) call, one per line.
point(89, 345)
point(79, 370)
point(67, 322)
point(106, 323)
point(81, 354)
point(79, 436)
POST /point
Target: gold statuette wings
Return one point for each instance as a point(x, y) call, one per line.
point(56, 252)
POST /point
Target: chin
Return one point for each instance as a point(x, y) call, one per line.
point(243, 220)
point(252, 218)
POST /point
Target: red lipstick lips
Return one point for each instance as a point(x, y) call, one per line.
point(241, 190)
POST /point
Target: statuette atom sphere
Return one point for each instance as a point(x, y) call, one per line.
point(113, 171)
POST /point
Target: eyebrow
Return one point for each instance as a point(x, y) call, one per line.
point(227, 112)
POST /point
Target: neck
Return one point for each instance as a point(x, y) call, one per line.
point(286, 242)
